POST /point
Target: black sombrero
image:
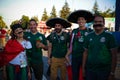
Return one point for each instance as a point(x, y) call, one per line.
point(73, 17)
point(51, 22)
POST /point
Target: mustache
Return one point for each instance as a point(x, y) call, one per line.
point(98, 25)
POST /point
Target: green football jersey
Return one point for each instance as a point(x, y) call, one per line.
point(59, 44)
point(78, 41)
point(36, 53)
point(99, 50)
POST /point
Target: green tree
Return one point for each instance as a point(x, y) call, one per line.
point(65, 11)
point(95, 8)
point(24, 21)
point(53, 13)
point(44, 16)
point(36, 18)
point(2, 23)
point(108, 13)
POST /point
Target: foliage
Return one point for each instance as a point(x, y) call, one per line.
point(53, 13)
point(2, 23)
point(44, 16)
point(65, 11)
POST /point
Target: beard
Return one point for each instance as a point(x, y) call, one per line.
point(58, 30)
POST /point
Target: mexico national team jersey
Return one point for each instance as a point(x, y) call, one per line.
point(99, 50)
point(78, 41)
point(59, 44)
point(36, 56)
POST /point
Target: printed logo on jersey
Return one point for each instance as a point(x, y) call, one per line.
point(54, 37)
point(40, 38)
point(81, 39)
point(90, 39)
point(28, 37)
point(62, 38)
point(102, 39)
point(86, 33)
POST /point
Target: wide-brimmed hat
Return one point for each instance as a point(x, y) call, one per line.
point(51, 22)
point(73, 17)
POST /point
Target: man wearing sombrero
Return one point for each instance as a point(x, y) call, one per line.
point(58, 46)
point(81, 17)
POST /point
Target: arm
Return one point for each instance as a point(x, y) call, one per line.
point(85, 55)
point(49, 52)
point(114, 60)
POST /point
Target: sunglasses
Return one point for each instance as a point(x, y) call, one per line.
point(97, 25)
point(20, 32)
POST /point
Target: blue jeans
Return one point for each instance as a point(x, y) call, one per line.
point(100, 75)
point(76, 63)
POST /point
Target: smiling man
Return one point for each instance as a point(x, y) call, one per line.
point(99, 57)
point(81, 17)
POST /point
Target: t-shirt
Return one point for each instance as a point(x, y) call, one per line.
point(59, 44)
point(99, 54)
point(78, 41)
point(36, 54)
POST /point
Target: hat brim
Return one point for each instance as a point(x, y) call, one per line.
point(73, 17)
point(51, 22)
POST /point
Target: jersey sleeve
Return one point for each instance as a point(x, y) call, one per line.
point(86, 42)
point(112, 42)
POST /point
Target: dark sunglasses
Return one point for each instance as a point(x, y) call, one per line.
point(97, 25)
point(20, 32)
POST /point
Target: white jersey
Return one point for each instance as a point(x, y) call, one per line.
point(21, 58)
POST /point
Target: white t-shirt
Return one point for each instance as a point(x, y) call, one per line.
point(21, 58)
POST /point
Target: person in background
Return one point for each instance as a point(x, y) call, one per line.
point(81, 17)
point(2, 38)
point(58, 46)
point(38, 42)
point(99, 57)
point(14, 59)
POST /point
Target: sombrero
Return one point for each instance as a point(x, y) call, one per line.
point(73, 17)
point(51, 22)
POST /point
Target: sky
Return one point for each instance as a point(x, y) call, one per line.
point(12, 10)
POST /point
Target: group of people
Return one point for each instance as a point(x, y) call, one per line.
point(93, 50)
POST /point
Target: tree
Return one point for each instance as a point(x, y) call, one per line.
point(36, 18)
point(65, 11)
point(53, 13)
point(44, 16)
point(2, 23)
point(108, 13)
point(96, 8)
point(24, 21)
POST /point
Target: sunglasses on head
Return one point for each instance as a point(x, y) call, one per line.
point(20, 32)
point(97, 25)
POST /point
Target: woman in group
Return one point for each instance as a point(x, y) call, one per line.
point(15, 58)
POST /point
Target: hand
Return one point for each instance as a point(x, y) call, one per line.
point(49, 61)
point(4, 75)
point(111, 77)
point(40, 45)
point(29, 75)
point(83, 72)
point(68, 59)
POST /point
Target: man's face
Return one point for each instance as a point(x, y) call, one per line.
point(33, 26)
point(98, 24)
point(81, 21)
point(58, 28)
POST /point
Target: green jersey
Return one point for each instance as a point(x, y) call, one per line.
point(36, 54)
point(78, 41)
point(99, 50)
point(59, 44)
